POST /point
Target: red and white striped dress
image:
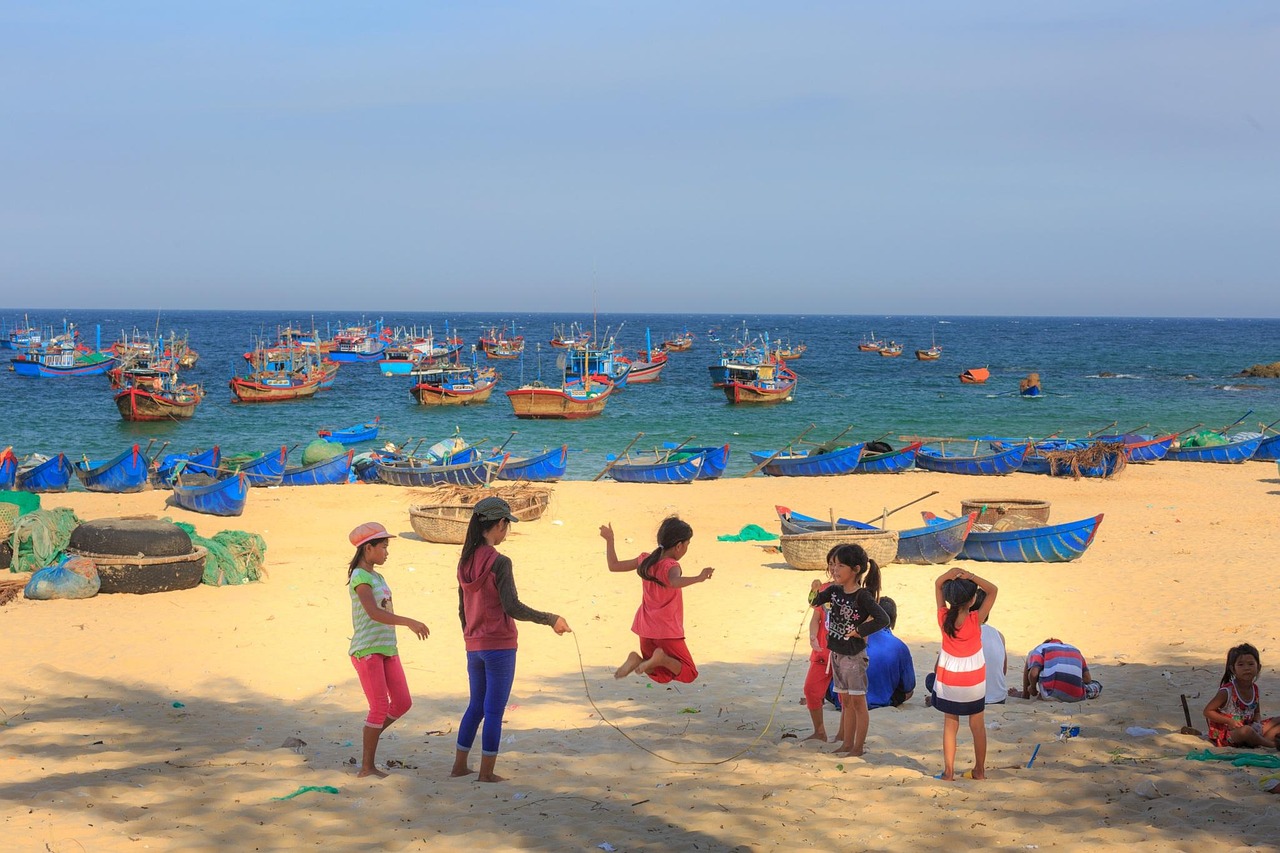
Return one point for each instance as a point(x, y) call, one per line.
point(960, 681)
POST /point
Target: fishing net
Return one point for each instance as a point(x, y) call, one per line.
point(1204, 438)
point(321, 450)
point(236, 460)
point(1096, 455)
point(40, 537)
point(235, 556)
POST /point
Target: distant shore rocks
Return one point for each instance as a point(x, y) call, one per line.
point(1262, 371)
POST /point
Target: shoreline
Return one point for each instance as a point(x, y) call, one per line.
point(1152, 604)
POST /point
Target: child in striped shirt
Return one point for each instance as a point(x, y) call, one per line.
point(960, 681)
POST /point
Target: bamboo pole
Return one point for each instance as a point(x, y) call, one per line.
point(614, 460)
point(778, 453)
point(888, 513)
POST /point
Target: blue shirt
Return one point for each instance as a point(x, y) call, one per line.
point(889, 668)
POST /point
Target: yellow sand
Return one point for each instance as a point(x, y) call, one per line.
point(99, 755)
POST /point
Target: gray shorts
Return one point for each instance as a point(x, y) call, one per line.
point(849, 673)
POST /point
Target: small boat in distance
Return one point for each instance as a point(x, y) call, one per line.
point(893, 349)
point(1030, 386)
point(871, 344)
point(975, 376)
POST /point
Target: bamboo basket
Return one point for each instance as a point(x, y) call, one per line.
point(993, 509)
point(527, 503)
point(809, 550)
point(443, 524)
point(8, 517)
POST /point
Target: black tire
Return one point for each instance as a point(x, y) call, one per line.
point(163, 577)
point(131, 536)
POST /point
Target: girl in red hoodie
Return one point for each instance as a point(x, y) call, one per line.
point(488, 606)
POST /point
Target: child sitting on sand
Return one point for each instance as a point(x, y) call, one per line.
point(659, 621)
point(1234, 713)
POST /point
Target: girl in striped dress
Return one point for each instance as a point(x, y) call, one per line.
point(960, 681)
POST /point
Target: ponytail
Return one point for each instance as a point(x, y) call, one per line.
point(671, 533)
point(957, 592)
point(476, 529)
point(359, 555)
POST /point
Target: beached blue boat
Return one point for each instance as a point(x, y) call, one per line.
point(1143, 448)
point(8, 469)
point(126, 472)
point(1240, 447)
point(890, 462)
point(196, 462)
point(326, 472)
point(418, 473)
point(543, 468)
point(714, 459)
point(221, 497)
point(810, 463)
point(657, 471)
point(50, 475)
point(923, 546)
point(994, 464)
point(266, 469)
point(1054, 543)
point(1268, 449)
point(1040, 458)
point(366, 431)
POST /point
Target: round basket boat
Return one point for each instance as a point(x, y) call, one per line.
point(809, 550)
point(992, 510)
point(444, 524)
point(528, 505)
point(139, 555)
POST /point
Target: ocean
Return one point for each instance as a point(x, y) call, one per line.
point(1152, 374)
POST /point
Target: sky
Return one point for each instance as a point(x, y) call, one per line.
point(1091, 158)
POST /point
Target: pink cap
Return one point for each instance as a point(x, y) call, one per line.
point(367, 532)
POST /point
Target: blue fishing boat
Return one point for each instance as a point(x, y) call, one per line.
point(921, 546)
point(994, 464)
point(326, 472)
point(1268, 448)
point(265, 469)
point(8, 469)
point(543, 468)
point(1143, 448)
point(366, 431)
point(418, 473)
point(810, 463)
point(1239, 447)
point(126, 472)
point(220, 497)
point(714, 459)
point(657, 470)
point(196, 462)
point(40, 474)
point(1054, 543)
point(1072, 457)
point(889, 462)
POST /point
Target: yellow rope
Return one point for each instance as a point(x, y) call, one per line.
point(772, 710)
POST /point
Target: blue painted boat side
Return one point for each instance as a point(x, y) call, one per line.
point(893, 462)
point(932, 544)
point(200, 462)
point(543, 468)
point(8, 469)
point(124, 473)
point(1268, 449)
point(52, 475)
point(267, 469)
point(1057, 543)
point(225, 497)
point(325, 473)
point(675, 471)
point(1241, 448)
point(474, 473)
point(366, 431)
point(841, 461)
point(995, 464)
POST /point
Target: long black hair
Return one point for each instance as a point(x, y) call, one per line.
point(671, 533)
point(476, 530)
point(855, 557)
point(355, 560)
point(1233, 654)
point(957, 592)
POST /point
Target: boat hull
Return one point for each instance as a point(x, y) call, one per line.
point(441, 395)
point(1238, 450)
point(675, 471)
point(267, 469)
point(543, 468)
point(366, 431)
point(992, 465)
point(52, 475)
point(1057, 543)
point(475, 473)
point(136, 404)
point(254, 391)
point(124, 473)
point(327, 473)
point(556, 404)
point(930, 545)
point(224, 497)
point(841, 461)
point(893, 462)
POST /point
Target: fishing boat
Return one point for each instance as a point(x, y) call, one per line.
point(994, 464)
point(262, 469)
point(975, 376)
point(893, 349)
point(680, 342)
point(398, 359)
point(544, 468)
point(810, 463)
point(921, 546)
point(326, 472)
point(647, 368)
point(165, 468)
point(155, 394)
point(44, 474)
point(420, 473)
point(786, 352)
point(200, 493)
point(568, 402)
point(1053, 543)
point(876, 460)
point(357, 343)
point(1071, 457)
point(496, 345)
point(1238, 447)
point(871, 344)
point(772, 384)
point(714, 458)
point(8, 469)
point(366, 431)
point(1030, 386)
point(61, 356)
point(453, 385)
point(571, 338)
point(1142, 448)
point(1268, 448)
point(126, 472)
point(656, 469)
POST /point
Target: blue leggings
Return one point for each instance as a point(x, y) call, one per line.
point(491, 674)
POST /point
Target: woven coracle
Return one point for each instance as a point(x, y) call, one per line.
point(443, 524)
point(527, 502)
point(991, 510)
point(809, 550)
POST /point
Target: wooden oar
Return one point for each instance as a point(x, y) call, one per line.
point(1092, 433)
point(504, 444)
point(1188, 429)
point(1134, 431)
point(779, 452)
point(614, 460)
point(930, 439)
point(1224, 430)
point(830, 444)
point(670, 450)
point(1268, 427)
point(888, 513)
point(155, 459)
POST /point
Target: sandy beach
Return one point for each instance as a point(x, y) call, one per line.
point(157, 722)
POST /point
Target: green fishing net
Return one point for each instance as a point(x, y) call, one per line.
point(320, 450)
point(40, 537)
point(235, 556)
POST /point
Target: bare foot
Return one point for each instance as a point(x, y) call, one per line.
point(628, 666)
point(461, 771)
point(492, 777)
point(371, 771)
point(943, 777)
point(856, 753)
point(977, 774)
point(822, 736)
point(843, 751)
point(660, 658)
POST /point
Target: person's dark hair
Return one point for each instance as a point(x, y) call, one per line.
point(855, 557)
point(977, 602)
point(1235, 652)
point(671, 533)
point(890, 608)
point(355, 560)
point(957, 592)
point(476, 530)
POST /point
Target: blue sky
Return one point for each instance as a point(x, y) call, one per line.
point(933, 157)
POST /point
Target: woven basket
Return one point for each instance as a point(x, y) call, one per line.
point(809, 550)
point(444, 524)
point(528, 506)
point(992, 510)
point(8, 515)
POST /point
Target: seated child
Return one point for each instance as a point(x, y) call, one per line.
point(1234, 714)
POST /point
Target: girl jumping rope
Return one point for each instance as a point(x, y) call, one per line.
point(1234, 713)
point(854, 615)
point(488, 606)
point(659, 621)
point(373, 644)
point(960, 680)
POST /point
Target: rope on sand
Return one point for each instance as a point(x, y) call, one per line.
point(772, 710)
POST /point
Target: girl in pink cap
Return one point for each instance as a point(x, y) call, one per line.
point(373, 642)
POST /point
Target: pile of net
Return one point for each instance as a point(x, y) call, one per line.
point(1098, 454)
point(321, 451)
point(1203, 438)
point(40, 537)
point(235, 556)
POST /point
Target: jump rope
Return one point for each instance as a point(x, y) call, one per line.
point(773, 710)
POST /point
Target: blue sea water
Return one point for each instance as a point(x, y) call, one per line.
point(1158, 374)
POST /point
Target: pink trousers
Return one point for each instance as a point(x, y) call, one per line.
point(382, 678)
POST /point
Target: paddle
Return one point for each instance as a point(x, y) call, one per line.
point(614, 460)
point(830, 444)
point(779, 452)
point(155, 459)
point(1268, 427)
point(504, 444)
point(1094, 432)
point(1188, 429)
point(888, 513)
point(1224, 430)
point(670, 450)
